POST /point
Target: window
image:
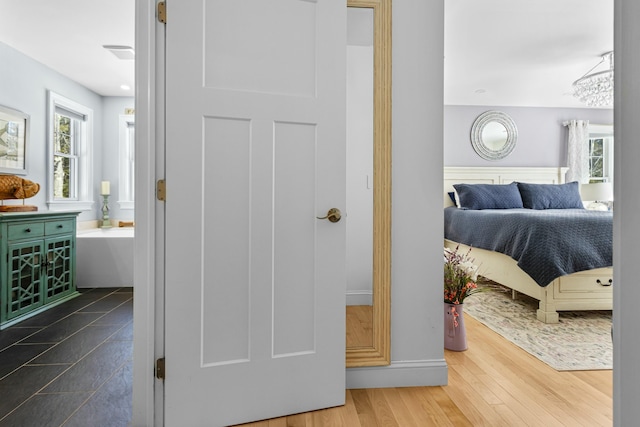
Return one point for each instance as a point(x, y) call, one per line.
point(65, 158)
point(596, 159)
point(600, 153)
point(127, 161)
point(70, 136)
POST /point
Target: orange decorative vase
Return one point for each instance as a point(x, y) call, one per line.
point(455, 334)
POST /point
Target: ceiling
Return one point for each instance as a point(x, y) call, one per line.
point(68, 35)
point(497, 52)
point(522, 52)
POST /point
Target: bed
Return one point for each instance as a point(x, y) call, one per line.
point(590, 288)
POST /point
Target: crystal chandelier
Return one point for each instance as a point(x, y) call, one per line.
point(596, 89)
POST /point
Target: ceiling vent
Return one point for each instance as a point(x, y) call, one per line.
point(121, 52)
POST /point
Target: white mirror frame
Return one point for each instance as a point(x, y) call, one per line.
point(479, 144)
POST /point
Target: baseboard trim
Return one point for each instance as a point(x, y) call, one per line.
point(359, 298)
point(413, 373)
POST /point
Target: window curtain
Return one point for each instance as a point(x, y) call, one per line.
point(578, 151)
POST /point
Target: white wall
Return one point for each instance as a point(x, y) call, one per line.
point(626, 293)
point(417, 354)
point(542, 140)
point(23, 86)
point(24, 83)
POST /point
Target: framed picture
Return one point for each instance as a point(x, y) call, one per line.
point(14, 134)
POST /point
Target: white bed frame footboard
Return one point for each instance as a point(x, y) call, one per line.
point(587, 290)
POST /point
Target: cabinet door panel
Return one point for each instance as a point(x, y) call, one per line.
point(24, 277)
point(59, 272)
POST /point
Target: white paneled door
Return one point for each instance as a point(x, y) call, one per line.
point(255, 152)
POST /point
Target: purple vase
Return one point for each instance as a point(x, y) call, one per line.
point(455, 334)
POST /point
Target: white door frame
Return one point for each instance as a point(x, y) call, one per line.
point(149, 216)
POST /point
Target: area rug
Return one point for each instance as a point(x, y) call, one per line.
point(581, 341)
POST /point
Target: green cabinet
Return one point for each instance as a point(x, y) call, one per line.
point(37, 263)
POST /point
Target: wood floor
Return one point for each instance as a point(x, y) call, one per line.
point(494, 383)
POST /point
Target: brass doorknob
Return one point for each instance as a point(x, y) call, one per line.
point(333, 215)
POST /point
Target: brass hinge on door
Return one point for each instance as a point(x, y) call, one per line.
point(160, 374)
point(161, 190)
point(162, 12)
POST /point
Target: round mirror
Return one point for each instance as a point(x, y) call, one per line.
point(493, 135)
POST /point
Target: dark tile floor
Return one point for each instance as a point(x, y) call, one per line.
point(70, 365)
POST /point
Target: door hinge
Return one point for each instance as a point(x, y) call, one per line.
point(162, 12)
point(161, 190)
point(160, 374)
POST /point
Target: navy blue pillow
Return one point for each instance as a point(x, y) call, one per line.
point(551, 196)
point(489, 196)
point(452, 196)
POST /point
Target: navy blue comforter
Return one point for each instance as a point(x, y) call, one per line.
point(545, 243)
